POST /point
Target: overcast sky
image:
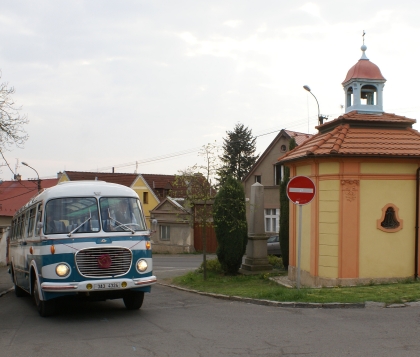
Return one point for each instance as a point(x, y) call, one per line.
point(108, 83)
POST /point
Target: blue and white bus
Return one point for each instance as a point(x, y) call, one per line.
point(81, 239)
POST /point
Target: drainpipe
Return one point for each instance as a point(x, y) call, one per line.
point(416, 256)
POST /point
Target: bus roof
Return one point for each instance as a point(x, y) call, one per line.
point(82, 189)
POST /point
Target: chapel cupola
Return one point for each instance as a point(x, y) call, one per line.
point(363, 87)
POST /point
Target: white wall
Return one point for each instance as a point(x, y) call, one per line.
point(3, 235)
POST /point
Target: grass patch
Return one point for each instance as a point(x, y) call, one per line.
point(260, 287)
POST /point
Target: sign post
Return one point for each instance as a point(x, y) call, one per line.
point(301, 191)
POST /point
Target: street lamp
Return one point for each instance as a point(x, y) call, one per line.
point(39, 180)
point(320, 117)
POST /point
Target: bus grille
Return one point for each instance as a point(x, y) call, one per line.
point(103, 262)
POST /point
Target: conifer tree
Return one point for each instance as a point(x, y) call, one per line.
point(284, 212)
point(230, 225)
point(238, 153)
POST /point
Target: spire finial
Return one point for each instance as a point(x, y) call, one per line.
point(364, 48)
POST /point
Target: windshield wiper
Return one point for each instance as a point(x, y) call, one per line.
point(74, 230)
point(120, 224)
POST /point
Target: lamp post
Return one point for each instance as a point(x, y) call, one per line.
point(39, 180)
point(320, 117)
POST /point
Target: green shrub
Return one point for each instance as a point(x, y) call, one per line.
point(276, 262)
point(213, 265)
point(230, 225)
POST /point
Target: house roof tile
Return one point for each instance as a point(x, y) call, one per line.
point(15, 194)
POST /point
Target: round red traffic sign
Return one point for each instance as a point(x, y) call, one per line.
point(300, 190)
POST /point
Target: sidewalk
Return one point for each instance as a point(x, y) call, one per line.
point(5, 280)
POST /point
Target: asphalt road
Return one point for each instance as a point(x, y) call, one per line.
point(177, 323)
point(168, 265)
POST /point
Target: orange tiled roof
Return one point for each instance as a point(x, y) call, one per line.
point(357, 134)
point(159, 181)
point(15, 194)
point(300, 138)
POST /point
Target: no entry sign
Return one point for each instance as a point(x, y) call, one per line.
point(300, 190)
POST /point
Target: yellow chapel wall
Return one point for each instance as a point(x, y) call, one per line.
point(329, 210)
point(384, 254)
point(305, 262)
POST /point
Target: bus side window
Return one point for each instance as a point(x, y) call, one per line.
point(13, 230)
point(38, 220)
point(31, 221)
point(25, 224)
point(18, 226)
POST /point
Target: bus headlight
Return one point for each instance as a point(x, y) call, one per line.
point(141, 265)
point(62, 270)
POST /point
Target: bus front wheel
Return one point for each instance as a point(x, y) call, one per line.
point(133, 300)
point(45, 307)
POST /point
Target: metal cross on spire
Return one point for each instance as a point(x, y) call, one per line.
point(363, 36)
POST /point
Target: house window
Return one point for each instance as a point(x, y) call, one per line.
point(165, 232)
point(146, 197)
point(283, 148)
point(277, 174)
point(258, 178)
point(272, 220)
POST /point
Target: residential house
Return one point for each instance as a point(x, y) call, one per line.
point(178, 230)
point(174, 233)
point(13, 195)
point(267, 172)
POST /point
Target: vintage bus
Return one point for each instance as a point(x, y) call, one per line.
point(81, 239)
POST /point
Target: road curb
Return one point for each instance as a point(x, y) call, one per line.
point(6, 291)
point(310, 305)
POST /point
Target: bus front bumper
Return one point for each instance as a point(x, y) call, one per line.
point(99, 285)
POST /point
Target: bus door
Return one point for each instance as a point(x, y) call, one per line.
point(20, 264)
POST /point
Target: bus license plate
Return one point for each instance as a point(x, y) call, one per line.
point(107, 286)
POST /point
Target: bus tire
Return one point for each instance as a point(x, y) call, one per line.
point(19, 292)
point(45, 307)
point(133, 300)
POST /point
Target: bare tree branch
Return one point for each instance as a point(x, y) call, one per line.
point(11, 122)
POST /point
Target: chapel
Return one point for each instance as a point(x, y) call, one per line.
point(361, 227)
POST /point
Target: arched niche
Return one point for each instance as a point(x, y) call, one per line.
point(389, 222)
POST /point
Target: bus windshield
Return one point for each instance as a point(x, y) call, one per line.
point(64, 215)
point(121, 214)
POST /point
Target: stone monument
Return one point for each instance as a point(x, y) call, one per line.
point(256, 259)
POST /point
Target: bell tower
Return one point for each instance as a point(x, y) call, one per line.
point(363, 86)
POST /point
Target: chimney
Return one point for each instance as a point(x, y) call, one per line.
point(59, 174)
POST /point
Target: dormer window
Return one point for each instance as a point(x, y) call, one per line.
point(368, 95)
